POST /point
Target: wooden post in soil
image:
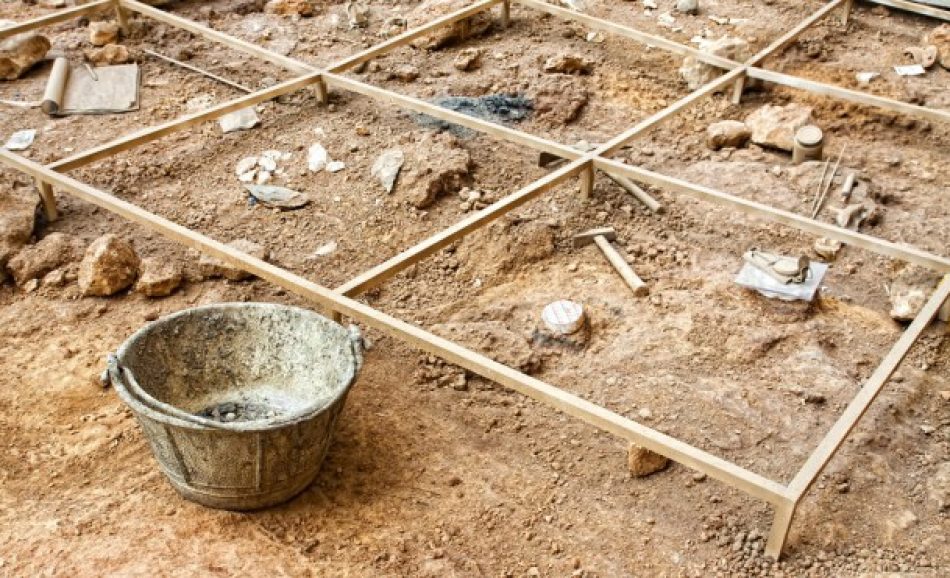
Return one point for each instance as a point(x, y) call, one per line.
point(48, 199)
point(320, 91)
point(505, 13)
point(121, 17)
point(587, 182)
point(846, 12)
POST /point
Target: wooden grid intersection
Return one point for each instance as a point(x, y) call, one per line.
point(341, 301)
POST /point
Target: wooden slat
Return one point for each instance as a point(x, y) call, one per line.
point(859, 405)
point(153, 133)
point(662, 116)
point(781, 522)
point(781, 42)
point(873, 244)
point(916, 8)
point(55, 17)
point(855, 96)
point(377, 275)
point(784, 40)
point(570, 404)
point(489, 128)
point(291, 64)
point(410, 35)
point(631, 33)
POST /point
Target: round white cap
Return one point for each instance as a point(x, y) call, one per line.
point(563, 317)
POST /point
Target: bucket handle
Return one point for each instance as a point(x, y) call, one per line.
point(122, 377)
point(358, 346)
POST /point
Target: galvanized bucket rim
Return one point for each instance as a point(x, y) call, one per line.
point(204, 424)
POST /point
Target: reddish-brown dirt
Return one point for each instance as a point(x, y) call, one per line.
point(435, 472)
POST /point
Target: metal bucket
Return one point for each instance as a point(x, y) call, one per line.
point(238, 400)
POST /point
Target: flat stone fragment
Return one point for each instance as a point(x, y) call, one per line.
point(387, 167)
point(159, 278)
point(244, 119)
point(280, 197)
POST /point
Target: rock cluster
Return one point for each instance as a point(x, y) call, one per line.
point(438, 165)
point(775, 126)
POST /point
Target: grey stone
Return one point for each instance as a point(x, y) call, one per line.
point(387, 166)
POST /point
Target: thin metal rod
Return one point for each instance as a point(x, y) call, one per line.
point(200, 71)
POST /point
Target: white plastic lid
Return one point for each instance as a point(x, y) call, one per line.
point(563, 317)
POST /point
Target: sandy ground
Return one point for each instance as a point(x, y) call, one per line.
point(434, 472)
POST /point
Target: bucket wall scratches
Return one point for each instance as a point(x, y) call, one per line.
point(238, 401)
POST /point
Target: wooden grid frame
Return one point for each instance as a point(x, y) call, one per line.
point(783, 497)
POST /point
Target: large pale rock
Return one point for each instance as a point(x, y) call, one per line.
point(697, 73)
point(19, 53)
point(159, 278)
point(909, 291)
point(52, 252)
point(211, 267)
point(108, 55)
point(289, 7)
point(569, 64)
point(775, 126)
point(446, 35)
point(109, 266)
point(439, 165)
point(940, 37)
point(727, 133)
point(559, 99)
point(643, 462)
point(17, 218)
point(103, 33)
